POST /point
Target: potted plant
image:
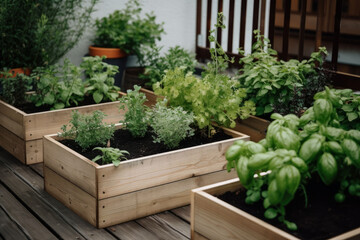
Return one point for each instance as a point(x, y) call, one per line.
point(298, 159)
point(25, 116)
point(105, 194)
point(125, 32)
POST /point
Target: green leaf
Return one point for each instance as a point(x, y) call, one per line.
point(347, 108)
point(270, 213)
point(266, 203)
point(96, 158)
point(262, 92)
point(59, 105)
point(97, 96)
point(290, 225)
point(49, 99)
point(268, 108)
point(116, 162)
point(352, 116)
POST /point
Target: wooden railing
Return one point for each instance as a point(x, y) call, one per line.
point(260, 14)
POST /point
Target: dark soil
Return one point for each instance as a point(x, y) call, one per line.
point(322, 219)
point(139, 147)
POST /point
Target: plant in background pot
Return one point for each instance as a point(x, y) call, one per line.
point(125, 32)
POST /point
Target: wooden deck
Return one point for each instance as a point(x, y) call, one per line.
point(28, 212)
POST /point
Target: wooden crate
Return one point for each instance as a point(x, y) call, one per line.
point(212, 218)
point(255, 127)
point(107, 195)
point(21, 133)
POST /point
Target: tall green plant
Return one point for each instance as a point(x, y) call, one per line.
point(39, 33)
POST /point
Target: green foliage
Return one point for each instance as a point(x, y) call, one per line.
point(214, 98)
point(349, 112)
point(100, 79)
point(14, 88)
point(175, 57)
point(280, 86)
point(39, 33)
point(125, 29)
point(170, 125)
point(58, 87)
point(135, 117)
point(88, 130)
point(110, 155)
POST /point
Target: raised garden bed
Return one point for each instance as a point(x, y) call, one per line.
point(212, 218)
point(107, 195)
point(21, 133)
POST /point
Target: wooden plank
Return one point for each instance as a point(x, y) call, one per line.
point(132, 230)
point(22, 217)
point(150, 96)
point(38, 168)
point(255, 135)
point(34, 201)
point(137, 204)
point(161, 168)
point(335, 50)
point(302, 29)
point(160, 229)
point(255, 19)
point(13, 144)
point(34, 151)
point(351, 235)
point(39, 124)
point(198, 21)
point(82, 173)
point(182, 212)
point(36, 182)
point(12, 119)
point(8, 229)
point(319, 24)
point(285, 48)
point(71, 196)
point(198, 236)
point(242, 24)
point(208, 22)
point(256, 123)
point(272, 21)
point(231, 25)
point(167, 218)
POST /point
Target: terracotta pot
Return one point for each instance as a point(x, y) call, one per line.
point(108, 52)
point(16, 71)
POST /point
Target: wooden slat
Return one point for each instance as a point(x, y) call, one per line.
point(38, 168)
point(71, 196)
point(255, 19)
point(64, 163)
point(208, 22)
point(32, 200)
point(23, 218)
point(302, 29)
point(242, 24)
point(151, 97)
point(34, 151)
point(167, 218)
point(12, 119)
point(231, 25)
point(335, 50)
point(285, 48)
point(219, 30)
point(182, 212)
point(319, 24)
point(142, 203)
point(13, 144)
point(132, 230)
point(198, 20)
point(272, 21)
point(8, 229)
point(345, 80)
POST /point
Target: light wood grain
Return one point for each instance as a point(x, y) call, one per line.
point(253, 126)
point(71, 165)
point(12, 143)
point(71, 196)
point(153, 200)
point(150, 96)
point(12, 119)
point(34, 151)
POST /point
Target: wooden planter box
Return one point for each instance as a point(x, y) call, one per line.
point(212, 218)
point(107, 195)
point(21, 133)
point(255, 127)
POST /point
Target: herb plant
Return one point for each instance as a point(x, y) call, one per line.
point(100, 79)
point(88, 130)
point(125, 29)
point(14, 88)
point(281, 86)
point(135, 117)
point(170, 125)
point(110, 155)
point(349, 112)
point(175, 57)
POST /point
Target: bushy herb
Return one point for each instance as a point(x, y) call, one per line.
point(58, 87)
point(14, 88)
point(110, 155)
point(215, 98)
point(88, 130)
point(100, 79)
point(135, 117)
point(349, 112)
point(170, 125)
point(283, 86)
point(125, 29)
point(175, 57)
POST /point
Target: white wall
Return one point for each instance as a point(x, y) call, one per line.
point(179, 17)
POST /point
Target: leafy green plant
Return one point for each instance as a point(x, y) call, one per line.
point(88, 130)
point(281, 86)
point(170, 125)
point(214, 98)
point(58, 87)
point(125, 29)
point(157, 65)
point(39, 33)
point(14, 88)
point(110, 155)
point(135, 117)
point(100, 79)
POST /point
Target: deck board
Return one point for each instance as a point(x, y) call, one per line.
point(26, 207)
